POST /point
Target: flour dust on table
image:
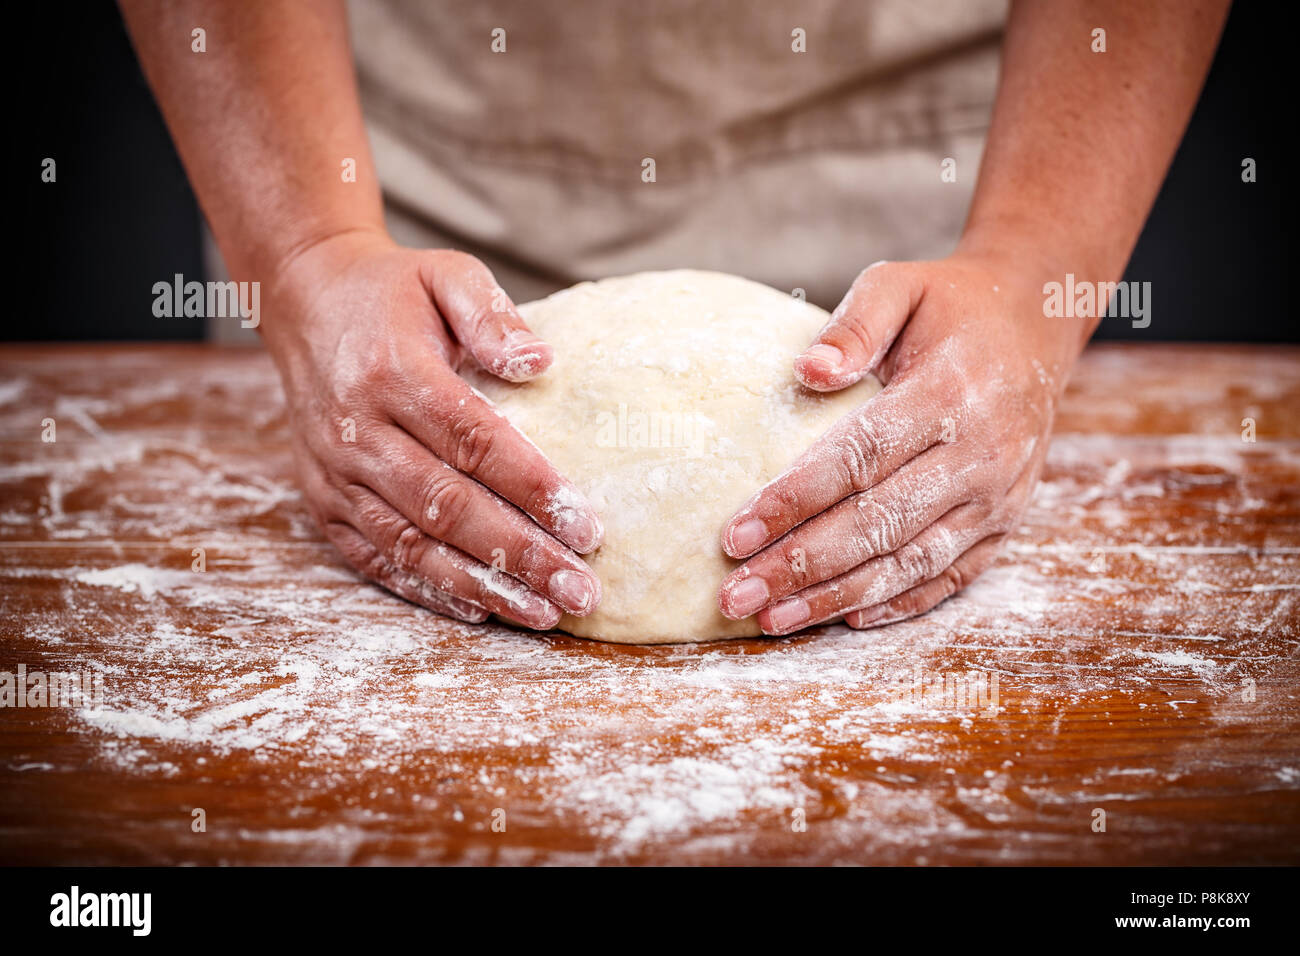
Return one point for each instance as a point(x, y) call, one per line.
point(671, 401)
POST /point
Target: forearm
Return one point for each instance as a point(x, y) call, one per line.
point(1080, 141)
point(263, 121)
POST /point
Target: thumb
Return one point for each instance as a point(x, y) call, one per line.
point(861, 328)
point(483, 318)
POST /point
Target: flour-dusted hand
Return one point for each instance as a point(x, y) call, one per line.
point(906, 500)
point(418, 481)
point(421, 484)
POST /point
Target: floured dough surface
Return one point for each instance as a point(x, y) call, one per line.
point(672, 400)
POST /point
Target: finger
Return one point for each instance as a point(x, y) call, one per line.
point(879, 579)
point(454, 422)
point(449, 506)
point(408, 549)
point(861, 527)
point(386, 547)
point(361, 554)
point(484, 319)
point(862, 327)
point(855, 453)
point(925, 596)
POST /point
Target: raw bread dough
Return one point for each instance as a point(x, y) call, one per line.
point(671, 401)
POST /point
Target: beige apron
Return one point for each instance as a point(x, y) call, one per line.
point(794, 168)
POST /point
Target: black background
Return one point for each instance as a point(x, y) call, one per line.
point(123, 217)
point(944, 908)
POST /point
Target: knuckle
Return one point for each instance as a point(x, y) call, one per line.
point(787, 497)
point(542, 492)
point(954, 578)
point(914, 561)
point(474, 442)
point(879, 529)
point(374, 566)
point(447, 500)
point(532, 554)
point(858, 456)
point(360, 502)
point(351, 545)
point(354, 381)
point(854, 327)
point(362, 555)
point(480, 316)
point(407, 547)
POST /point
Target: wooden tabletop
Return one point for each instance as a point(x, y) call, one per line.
point(1141, 627)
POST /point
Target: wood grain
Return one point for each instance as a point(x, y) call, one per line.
point(1142, 628)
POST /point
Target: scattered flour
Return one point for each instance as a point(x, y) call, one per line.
point(279, 658)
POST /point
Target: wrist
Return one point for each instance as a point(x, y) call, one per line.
point(299, 274)
point(1025, 276)
point(1045, 251)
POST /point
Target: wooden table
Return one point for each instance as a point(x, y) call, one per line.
point(1142, 629)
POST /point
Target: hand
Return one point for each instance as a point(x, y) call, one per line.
point(421, 484)
point(905, 501)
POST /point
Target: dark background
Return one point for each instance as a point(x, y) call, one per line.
point(122, 216)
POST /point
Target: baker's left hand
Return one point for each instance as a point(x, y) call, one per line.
point(906, 500)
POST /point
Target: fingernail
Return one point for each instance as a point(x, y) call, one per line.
point(522, 344)
point(516, 340)
point(549, 617)
point(748, 596)
point(445, 602)
point(827, 355)
point(864, 618)
point(879, 616)
point(789, 614)
point(580, 529)
point(466, 611)
point(573, 590)
point(522, 362)
point(748, 536)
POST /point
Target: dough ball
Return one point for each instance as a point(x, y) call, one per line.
point(671, 401)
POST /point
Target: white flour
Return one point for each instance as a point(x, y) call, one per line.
point(631, 747)
point(279, 654)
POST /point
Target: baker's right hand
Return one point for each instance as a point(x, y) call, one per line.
point(413, 475)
